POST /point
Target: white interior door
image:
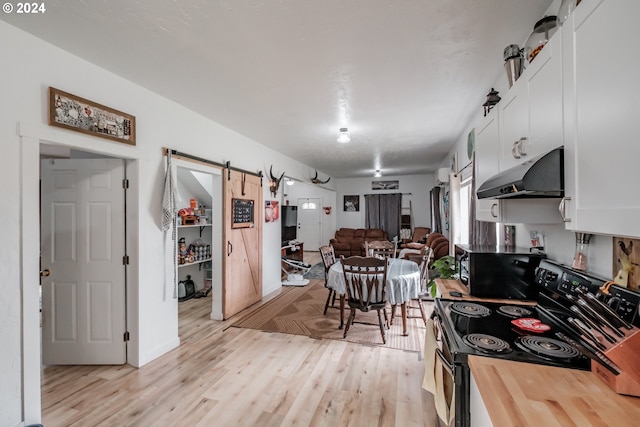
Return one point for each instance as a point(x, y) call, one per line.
point(83, 244)
point(309, 223)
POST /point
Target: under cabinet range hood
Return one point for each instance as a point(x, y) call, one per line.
point(542, 176)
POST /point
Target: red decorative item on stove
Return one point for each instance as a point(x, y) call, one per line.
point(530, 324)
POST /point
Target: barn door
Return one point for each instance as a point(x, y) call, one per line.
point(243, 208)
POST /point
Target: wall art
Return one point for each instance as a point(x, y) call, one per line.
point(385, 185)
point(73, 112)
point(351, 203)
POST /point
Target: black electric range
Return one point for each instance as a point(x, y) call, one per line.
point(505, 331)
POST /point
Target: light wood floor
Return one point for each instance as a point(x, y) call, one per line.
point(226, 376)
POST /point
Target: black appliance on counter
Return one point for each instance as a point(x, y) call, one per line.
point(473, 326)
point(498, 271)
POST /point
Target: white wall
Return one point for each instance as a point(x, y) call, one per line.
point(418, 185)
point(301, 190)
point(30, 67)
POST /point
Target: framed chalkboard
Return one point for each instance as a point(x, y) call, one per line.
point(243, 211)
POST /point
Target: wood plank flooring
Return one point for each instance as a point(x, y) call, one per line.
point(226, 376)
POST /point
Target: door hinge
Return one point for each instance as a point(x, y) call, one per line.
point(125, 183)
point(126, 336)
point(125, 260)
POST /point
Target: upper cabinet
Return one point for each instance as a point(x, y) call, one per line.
point(602, 109)
point(531, 111)
point(581, 91)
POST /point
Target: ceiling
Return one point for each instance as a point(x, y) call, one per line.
point(404, 76)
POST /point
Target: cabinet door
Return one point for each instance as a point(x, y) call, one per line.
point(545, 100)
point(487, 155)
point(602, 160)
point(514, 123)
point(531, 112)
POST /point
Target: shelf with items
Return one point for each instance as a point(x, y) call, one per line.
point(196, 252)
point(186, 264)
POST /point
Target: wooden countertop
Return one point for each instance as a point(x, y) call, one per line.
point(526, 394)
point(445, 286)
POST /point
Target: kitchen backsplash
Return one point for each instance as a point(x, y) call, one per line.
point(560, 246)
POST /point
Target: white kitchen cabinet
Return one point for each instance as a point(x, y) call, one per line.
point(487, 155)
point(531, 111)
point(602, 110)
point(509, 211)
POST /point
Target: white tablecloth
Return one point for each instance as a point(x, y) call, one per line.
point(403, 280)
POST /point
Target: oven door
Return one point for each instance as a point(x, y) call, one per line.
point(452, 395)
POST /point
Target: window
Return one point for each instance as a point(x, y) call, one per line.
point(309, 206)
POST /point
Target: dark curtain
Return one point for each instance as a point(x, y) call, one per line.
point(383, 211)
point(481, 232)
point(436, 220)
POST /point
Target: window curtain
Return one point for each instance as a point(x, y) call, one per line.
point(436, 218)
point(481, 232)
point(383, 211)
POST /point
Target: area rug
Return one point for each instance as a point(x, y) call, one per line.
point(298, 311)
point(316, 272)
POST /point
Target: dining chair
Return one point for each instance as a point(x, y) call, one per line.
point(365, 279)
point(380, 249)
point(328, 259)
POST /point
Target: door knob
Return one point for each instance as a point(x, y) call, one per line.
point(45, 273)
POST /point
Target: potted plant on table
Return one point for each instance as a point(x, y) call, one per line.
point(442, 268)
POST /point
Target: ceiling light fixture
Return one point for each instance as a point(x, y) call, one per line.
point(343, 136)
point(289, 181)
point(378, 174)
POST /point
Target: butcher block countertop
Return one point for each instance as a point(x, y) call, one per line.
point(526, 394)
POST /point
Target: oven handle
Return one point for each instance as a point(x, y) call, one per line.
point(445, 363)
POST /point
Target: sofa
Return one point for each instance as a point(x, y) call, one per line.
point(350, 241)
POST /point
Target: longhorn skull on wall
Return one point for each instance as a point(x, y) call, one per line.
point(274, 183)
point(315, 179)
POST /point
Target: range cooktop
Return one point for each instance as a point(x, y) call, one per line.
point(506, 331)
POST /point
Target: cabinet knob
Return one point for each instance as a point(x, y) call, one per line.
point(514, 150)
point(522, 149)
point(494, 210)
point(562, 209)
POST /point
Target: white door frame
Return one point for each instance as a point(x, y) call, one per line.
point(29, 138)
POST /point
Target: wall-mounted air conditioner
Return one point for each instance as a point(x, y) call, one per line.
point(443, 176)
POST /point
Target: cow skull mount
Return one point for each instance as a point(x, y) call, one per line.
point(315, 179)
point(274, 183)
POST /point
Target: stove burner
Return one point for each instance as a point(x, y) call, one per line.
point(487, 343)
point(547, 348)
point(514, 311)
point(470, 309)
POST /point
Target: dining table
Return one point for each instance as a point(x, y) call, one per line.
point(402, 285)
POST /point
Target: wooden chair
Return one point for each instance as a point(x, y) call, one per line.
point(365, 279)
point(380, 249)
point(328, 259)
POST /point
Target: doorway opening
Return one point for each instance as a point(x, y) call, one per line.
point(83, 246)
point(198, 255)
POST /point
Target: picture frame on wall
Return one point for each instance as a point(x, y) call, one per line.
point(81, 115)
point(385, 185)
point(352, 203)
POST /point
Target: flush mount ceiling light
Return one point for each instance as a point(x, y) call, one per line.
point(289, 181)
point(343, 136)
point(377, 174)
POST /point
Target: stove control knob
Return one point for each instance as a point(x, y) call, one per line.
point(614, 303)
